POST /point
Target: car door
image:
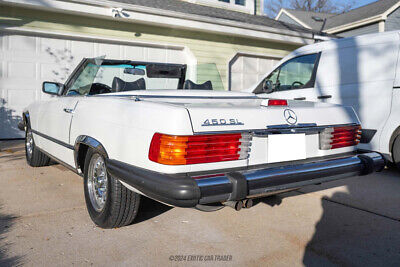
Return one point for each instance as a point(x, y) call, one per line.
point(53, 125)
point(295, 79)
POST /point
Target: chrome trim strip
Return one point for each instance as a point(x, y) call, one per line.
point(279, 129)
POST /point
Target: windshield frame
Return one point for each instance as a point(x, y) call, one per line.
point(310, 83)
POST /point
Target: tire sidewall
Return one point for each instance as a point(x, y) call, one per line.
point(99, 218)
point(396, 152)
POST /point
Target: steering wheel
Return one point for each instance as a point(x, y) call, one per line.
point(99, 88)
point(297, 82)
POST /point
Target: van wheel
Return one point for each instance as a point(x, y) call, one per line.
point(110, 204)
point(34, 156)
point(396, 152)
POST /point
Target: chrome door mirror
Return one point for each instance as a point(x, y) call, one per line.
point(52, 88)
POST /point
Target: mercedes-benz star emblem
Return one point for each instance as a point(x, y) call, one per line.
point(290, 116)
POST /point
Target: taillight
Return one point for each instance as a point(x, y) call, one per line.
point(277, 102)
point(337, 137)
point(194, 149)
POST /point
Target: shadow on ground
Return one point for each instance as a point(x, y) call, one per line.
point(349, 235)
point(149, 209)
point(6, 224)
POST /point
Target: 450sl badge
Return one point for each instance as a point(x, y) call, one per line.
point(221, 122)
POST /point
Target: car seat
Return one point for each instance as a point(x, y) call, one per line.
point(119, 85)
point(189, 85)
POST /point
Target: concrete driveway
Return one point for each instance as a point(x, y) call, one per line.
point(43, 221)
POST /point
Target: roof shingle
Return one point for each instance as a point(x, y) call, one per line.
point(207, 11)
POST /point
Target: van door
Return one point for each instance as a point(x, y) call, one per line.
point(294, 79)
point(362, 76)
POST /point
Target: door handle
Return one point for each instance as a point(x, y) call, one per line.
point(68, 110)
point(299, 98)
point(324, 97)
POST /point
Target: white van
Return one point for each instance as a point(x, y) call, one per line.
point(362, 72)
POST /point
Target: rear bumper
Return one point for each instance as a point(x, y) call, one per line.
point(189, 191)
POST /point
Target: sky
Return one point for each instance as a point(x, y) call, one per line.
point(363, 2)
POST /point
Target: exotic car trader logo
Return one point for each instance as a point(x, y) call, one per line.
point(290, 116)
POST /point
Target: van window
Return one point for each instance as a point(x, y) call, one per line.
point(295, 73)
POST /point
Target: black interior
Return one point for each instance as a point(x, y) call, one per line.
point(120, 85)
point(189, 85)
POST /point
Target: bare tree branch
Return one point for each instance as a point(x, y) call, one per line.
point(322, 6)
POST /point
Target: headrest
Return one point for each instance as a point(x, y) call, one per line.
point(189, 85)
point(120, 85)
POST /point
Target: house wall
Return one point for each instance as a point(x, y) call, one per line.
point(285, 18)
point(206, 47)
point(371, 28)
point(393, 21)
point(231, 5)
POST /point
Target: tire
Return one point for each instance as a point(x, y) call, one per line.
point(396, 152)
point(110, 204)
point(34, 157)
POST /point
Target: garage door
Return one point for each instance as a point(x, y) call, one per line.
point(28, 60)
point(247, 70)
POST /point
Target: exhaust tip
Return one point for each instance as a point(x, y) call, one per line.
point(239, 205)
point(248, 203)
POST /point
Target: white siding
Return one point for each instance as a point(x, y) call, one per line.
point(371, 28)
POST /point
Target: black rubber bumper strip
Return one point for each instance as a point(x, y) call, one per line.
point(184, 191)
point(180, 192)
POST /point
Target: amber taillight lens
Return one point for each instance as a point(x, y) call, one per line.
point(195, 149)
point(338, 137)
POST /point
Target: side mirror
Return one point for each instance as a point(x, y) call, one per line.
point(52, 88)
point(268, 86)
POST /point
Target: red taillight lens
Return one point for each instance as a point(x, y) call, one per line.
point(277, 102)
point(338, 137)
point(194, 149)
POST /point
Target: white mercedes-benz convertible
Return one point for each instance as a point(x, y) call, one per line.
point(187, 147)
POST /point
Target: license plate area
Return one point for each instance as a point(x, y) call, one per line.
point(286, 147)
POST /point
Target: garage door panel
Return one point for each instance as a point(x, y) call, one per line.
point(19, 99)
point(53, 45)
point(111, 51)
point(18, 44)
point(156, 55)
point(250, 65)
point(175, 56)
point(249, 79)
point(21, 70)
point(83, 49)
point(54, 72)
point(135, 52)
point(237, 82)
point(248, 70)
